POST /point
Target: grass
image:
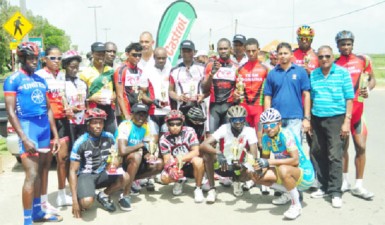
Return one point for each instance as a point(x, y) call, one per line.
point(3, 146)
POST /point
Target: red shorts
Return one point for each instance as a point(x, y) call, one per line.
point(253, 114)
point(357, 124)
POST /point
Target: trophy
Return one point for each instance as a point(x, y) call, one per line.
point(140, 96)
point(152, 149)
point(106, 92)
point(180, 162)
point(66, 106)
point(235, 150)
point(192, 92)
point(80, 99)
point(241, 88)
point(364, 82)
point(113, 161)
point(306, 59)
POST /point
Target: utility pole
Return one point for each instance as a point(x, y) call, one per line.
point(23, 10)
point(96, 25)
point(236, 26)
point(106, 30)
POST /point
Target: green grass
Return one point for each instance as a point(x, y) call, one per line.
point(3, 146)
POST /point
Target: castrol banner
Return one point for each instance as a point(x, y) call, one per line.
point(174, 27)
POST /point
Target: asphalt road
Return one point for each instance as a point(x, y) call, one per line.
point(160, 207)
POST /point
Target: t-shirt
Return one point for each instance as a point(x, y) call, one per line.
point(178, 144)
point(30, 92)
point(92, 153)
point(227, 141)
point(76, 93)
point(134, 134)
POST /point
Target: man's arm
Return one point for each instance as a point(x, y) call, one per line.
point(73, 180)
point(306, 109)
point(119, 89)
point(267, 100)
point(56, 143)
point(207, 145)
point(345, 129)
point(125, 150)
point(194, 152)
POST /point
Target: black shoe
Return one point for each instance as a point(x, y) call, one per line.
point(277, 193)
point(125, 203)
point(107, 204)
point(150, 186)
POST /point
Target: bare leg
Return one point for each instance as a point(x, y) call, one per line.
point(199, 170)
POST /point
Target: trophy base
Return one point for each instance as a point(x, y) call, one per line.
point(115, 171)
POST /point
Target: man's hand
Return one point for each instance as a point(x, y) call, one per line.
point(200, 98)
point(76, 211)
point(236, 95)
point(345, 129)
point(305, 125)
point(55, 146)
point(157, 103)
point(183, 98)
point(222, 161)
point(364, 92)
point(215, 68)
point(29, 146)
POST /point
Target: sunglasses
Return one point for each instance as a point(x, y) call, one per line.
point(136, 55)
point(237, 120)
point(173, 124)
point(52, 58)
point(320, 57)
point(271, 126)
point(304, 38)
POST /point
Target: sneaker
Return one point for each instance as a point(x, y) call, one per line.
point(150, 185)
point(237, 189)
point(64, 201)
point(198, 195)
point(143, 182)
point(248, 185)
point(225, 181)
point(125, 203)
point(282, 200)
point(345, 187)
point(135, 187)
point(106, 202)
point(336, 202)
point(362, 193)
point(293, 212)
point(205, 185)
point(158, 178)
point(277, 193)
point(178, 187)
point(48, 208)
point(318, 194)
point(265, 190)
point(211, 196)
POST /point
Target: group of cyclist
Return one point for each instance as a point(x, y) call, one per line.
point(235, 118)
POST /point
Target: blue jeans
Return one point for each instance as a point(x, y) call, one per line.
point(295, 125)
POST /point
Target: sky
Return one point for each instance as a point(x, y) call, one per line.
point(122, 21)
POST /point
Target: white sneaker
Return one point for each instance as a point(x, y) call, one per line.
point(337, 202)
point(237, 189)
point(293, 212)
point(362, 193)
point(63, 201)
point(211, 196)
point(136, 185)
point(205, 185)
point(318, 194)
point(345, 186)
point(198, 195)
point(265, 190)
point(48, 208)
point(225, 181)
point(282, 200)
point(178, 187)
point(248, 185)
point(143, 182)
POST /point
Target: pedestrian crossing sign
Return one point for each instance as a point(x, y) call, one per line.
point(18, 26)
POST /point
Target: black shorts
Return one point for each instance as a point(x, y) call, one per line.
point(76, 130)
point(63, 128)
point(88, 183)
point(188, 170)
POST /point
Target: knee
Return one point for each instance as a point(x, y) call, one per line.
point(197, 162)
point(87, 202)
point(283, 171)
point(360, 149)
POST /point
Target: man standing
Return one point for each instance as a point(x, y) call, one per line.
point(360, 69)
point(239, 57)
point(304, 55)
point(284, 88)
point(332, 96)
point(111, 50)
point(146, 41)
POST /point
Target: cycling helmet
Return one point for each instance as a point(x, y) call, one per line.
point(27, 49)
point(273, 54)
point(270, 115)
point(95, 113)
point(306, 31)
point(70, 55)
point(236, 111)
point(342, 35)
point(174, 115)
point(196, 114)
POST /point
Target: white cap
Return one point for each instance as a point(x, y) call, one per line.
point(201, 53)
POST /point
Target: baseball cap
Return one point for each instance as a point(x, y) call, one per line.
point(98, 47)
point(187, 44)
point(139, 107)
point(239, 37)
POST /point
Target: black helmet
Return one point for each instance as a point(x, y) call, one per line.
point(27, 49)
point(195, 114)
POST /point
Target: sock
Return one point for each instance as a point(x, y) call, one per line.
point(103, 195)
point(44, 198)
point(37, 213)
point(28, 217)
point(345, 177)
point(197, 187)
point(294, 194)
point(278, 187)
point(359, 183)
point(61, 193)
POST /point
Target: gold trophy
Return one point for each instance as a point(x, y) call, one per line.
point(113, 161)
point(364, 82)
point(152, 149)
point(235, 150)
point(180, 162)
point(80, 99)
point(306, 59)
point(241, 88)
point(106, 92)
point(192, 92)
point(163, 95)
point(66, 106)
point(140, 96)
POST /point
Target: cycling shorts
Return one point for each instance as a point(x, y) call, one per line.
point(305, 181)
point(357, 124)
point(37, 129)
point(218, 115)
point(63, 129)
point(89, 182)
point(253, 114)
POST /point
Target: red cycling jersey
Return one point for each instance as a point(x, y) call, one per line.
point(301, 57)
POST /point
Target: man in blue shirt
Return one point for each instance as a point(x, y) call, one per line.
point(284, 87)
point(332, 96)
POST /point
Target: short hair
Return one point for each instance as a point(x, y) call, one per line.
point(325, 47)
point(252, 41)
point(134, 46)
point(110, 43)
point(224, 40)
point(284, 45)
point(146, 33)
point(50, 48)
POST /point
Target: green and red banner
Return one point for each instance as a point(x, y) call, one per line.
point(174, 27)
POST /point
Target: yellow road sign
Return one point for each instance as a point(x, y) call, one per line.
point(18, 26)
point(13, 44)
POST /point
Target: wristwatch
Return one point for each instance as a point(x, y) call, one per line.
point(307, 118)
point(349, 116)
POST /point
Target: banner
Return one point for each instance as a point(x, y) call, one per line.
point(174, 27)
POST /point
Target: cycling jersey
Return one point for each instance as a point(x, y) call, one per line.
point(227, 140)
point(178, 144)
point(356, 65)
point(300, 56)
point(134, 134)
point(30, 92)
point(223, 83)
point(92, 153)
point(129, 77)
point(56, 91)
point(76, 93)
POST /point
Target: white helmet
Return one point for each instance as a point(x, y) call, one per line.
point(270, 115)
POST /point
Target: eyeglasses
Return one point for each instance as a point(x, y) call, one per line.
point(52, 58)
point(173, 124)
point(320, 57)
point(237, 120)
point(304, 38)
point(136, 55)
point(271, 126)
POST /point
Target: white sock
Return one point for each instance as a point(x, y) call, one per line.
point(359, 183)
point(294, 194)
point(345, 177)
point(62, 193)
point(279, 187)
point(44, 198)
point(102, 194)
